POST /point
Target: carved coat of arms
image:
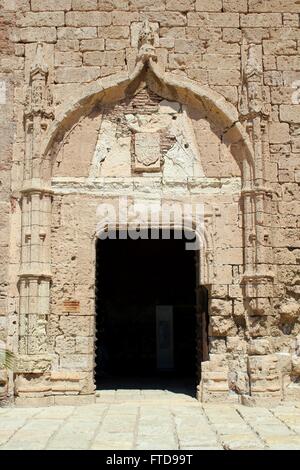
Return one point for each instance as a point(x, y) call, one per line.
point(146, 133)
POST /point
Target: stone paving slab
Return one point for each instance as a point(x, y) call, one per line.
point(150, 420)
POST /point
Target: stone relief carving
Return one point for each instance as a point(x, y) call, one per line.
point(146, 139)
point(146, 134)
point(147, 151)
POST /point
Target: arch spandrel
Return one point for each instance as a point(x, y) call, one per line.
point(109, 141)
point(120, 86)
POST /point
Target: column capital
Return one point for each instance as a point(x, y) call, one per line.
point(254, 277)
point(36, 186)
point(257, 191)
point(258, 286)
point(34, 274)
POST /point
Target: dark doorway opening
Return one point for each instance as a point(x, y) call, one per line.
point(146, 307)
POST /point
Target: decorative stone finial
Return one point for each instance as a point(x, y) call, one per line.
point(39, 66)
point(251, 101)
point(146, 43)
point(253, 69)
point(39, 98)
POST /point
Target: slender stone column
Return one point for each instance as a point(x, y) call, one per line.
point(248, 222)
point(35, 275)
point(258, 279)
point(35, 269)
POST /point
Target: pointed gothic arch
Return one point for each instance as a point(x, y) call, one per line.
point(118, 87)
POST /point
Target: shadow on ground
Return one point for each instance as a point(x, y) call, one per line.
point(183, 385)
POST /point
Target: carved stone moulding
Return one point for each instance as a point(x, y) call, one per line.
point(259, 291)
point(258, 285)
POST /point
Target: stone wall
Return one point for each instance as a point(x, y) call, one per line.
point(8, 65)
point(246, 51)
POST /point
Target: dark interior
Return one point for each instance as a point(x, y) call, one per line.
point(132, 278)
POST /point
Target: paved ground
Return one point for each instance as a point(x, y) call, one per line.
point(150, 419)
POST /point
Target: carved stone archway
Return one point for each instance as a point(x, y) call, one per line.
point(45, 128)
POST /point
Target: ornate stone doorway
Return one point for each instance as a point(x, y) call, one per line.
point(145, 135)
point(150, 330)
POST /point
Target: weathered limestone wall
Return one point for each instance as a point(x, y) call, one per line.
point(253, 344)
point(8, 64)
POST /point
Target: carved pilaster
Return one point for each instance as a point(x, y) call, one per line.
point(35, 274)
point(36, 200)
point(258, 278)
